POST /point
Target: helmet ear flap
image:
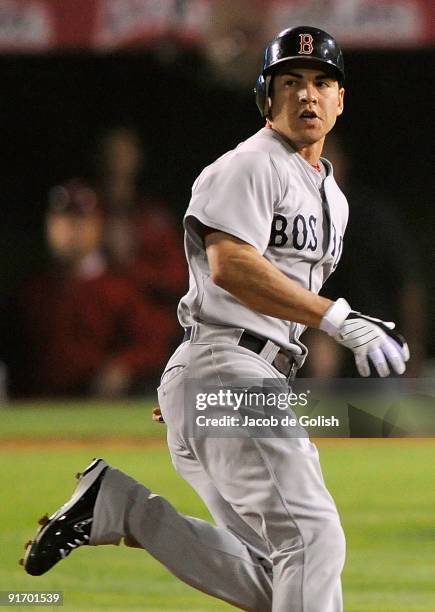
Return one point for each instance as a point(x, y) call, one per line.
point(262, 95)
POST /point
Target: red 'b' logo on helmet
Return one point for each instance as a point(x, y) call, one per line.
point(306, 44)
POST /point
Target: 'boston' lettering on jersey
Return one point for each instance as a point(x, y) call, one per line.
point(303, 231)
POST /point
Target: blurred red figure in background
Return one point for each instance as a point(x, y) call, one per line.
point(141, 235)
point(84, 330)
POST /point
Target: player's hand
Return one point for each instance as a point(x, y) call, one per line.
point(157, 415)
point(368, 338)
point(373, 339)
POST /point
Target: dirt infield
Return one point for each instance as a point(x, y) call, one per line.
point(9, 444)
point(58, 443)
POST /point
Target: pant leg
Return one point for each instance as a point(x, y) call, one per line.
point(285, 502)
point(208, 558)
point(276, 486)
point(222, 512)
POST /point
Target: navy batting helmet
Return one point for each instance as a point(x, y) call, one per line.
point(302, 42)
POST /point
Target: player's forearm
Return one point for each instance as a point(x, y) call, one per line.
point(257, 284)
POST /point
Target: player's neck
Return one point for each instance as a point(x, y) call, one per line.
point(309, 152)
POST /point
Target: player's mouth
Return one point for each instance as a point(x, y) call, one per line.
point(309, 117)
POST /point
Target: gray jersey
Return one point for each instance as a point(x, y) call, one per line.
point(267, 195)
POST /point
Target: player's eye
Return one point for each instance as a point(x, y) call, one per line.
point(290, 82)
point(322, 84)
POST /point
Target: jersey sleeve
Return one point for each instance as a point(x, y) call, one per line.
point(237, 195)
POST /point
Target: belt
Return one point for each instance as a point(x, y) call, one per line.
point(283, 362)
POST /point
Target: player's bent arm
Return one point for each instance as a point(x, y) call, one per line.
point(241, 270)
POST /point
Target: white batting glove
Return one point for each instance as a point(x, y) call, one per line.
point(367, 337)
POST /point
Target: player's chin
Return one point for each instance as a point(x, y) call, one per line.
point(314, 129)
point(311, 136)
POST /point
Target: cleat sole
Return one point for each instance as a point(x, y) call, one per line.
point(43, 520)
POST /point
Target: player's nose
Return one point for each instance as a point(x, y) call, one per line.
point(307, 93)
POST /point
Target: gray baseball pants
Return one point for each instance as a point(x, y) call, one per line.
point(278, 545)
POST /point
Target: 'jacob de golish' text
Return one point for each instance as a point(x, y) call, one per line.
point(270, 421)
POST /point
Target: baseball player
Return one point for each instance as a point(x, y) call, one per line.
point(263, 230)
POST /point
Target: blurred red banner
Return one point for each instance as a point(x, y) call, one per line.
point(104, 25)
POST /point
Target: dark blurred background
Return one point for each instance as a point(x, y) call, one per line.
point(190, 98)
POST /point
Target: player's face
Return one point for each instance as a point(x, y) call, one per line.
point(305, 104)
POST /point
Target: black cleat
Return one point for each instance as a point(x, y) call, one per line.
point(69, 527)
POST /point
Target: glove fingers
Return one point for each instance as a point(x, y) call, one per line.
point(394, 355)
point(401, 344)
point(373, 340)
point(378, 358)
point(362, 365)
point(405, 351)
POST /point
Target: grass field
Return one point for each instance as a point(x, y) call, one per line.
point(384, 490)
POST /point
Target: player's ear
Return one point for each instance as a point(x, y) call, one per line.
point(340, 100)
